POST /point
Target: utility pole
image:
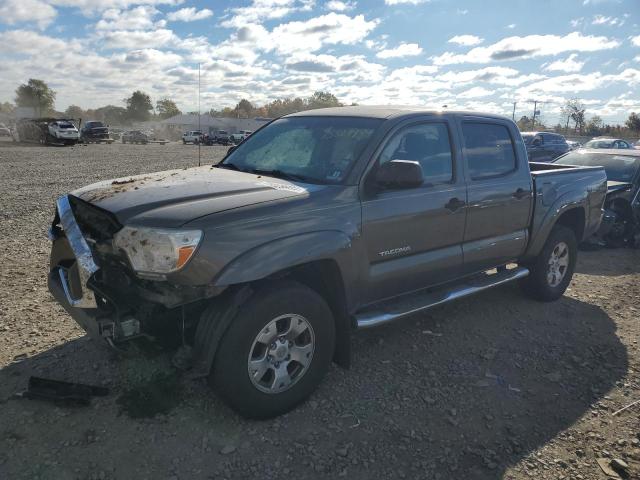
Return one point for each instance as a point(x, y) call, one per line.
point(535, 108)
point(513, 115)
point(199, 127)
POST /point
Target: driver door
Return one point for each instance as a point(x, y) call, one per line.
point(413, 236)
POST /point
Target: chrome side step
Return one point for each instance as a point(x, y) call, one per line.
point(425, 299)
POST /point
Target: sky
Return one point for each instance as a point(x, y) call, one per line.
point(481, 55)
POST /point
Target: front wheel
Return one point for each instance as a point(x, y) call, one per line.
point(275, 352)
point(551, 272)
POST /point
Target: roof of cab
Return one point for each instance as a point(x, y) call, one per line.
point(385, 111)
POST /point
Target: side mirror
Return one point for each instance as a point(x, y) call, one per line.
point(398, 174)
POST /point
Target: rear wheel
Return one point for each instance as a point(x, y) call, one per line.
point(551, 272)
point(275, 352)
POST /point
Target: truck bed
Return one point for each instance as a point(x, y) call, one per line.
point(556, 184)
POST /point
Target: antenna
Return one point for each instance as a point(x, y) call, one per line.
point(199, 127)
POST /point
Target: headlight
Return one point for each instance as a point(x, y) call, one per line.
point(154, 251)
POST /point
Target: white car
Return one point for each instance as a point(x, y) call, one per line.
point(63, 131)
point(4, 131)
point(194, 136)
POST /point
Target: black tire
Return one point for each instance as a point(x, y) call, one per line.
point(537, 285)
point(230, 374)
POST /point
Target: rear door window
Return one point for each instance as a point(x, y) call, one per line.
point(488, 150)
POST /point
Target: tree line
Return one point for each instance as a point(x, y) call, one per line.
point(138, 107)
point(575, 122)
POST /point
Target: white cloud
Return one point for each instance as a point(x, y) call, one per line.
point(189, 14)
point(576, 22)
point(568, 65)
point(635, 40)
point(466, 40)
point(344, 65)
point(400, 2)
point(580, 82)
point(461, 11)
point(260, 10)
point(139, 18)
point(402, 50)
point(313, 34)
point(475, 92)
point(609, 21)
point(340, 6)
point(527, 47)
point(511, 26)
point(90, 7)
point(132, 39)
point(27, 11)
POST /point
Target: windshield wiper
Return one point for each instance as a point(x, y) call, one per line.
point(230, 166)
point(284, 175)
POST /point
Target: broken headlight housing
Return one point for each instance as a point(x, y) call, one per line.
point(154, 252)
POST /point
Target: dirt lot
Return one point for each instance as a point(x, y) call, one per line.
point(496, 386)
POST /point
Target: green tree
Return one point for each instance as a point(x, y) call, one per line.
point(244, 109)
point(594, 126)
point(111, 115)
point(323, 100)
point(74, 111)
point(37, 95)
point(633, 122)
point(139, 106)
point(525, 124)
point(167, 108)
point(6, 107)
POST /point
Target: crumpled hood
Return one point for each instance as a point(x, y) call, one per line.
point(174, 197)
point(613, 186)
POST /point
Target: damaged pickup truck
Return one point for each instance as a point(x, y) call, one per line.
point(320, 223)
point(621, 220)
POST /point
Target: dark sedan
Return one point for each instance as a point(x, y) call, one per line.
point(621, 222)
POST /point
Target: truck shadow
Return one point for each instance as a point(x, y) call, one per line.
point(465, 391)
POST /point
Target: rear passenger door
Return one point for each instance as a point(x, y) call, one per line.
point(499, 192)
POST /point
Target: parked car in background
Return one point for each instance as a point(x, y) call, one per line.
point(193, 136)
point(621, 220)
point(236, 138)
point(241, 136)
point(221, 137)
point(544, 146)
point(4, 130)
point(574, 145)
point(135, 136)
point(604, 142)
point(95, 132)
point(323, 222)
point(636, 145)
point(116, 133)
point(47, 131)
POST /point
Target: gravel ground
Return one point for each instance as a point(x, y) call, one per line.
point(495, 386)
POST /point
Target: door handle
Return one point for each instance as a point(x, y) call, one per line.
point(454, 204)
point(520, 193)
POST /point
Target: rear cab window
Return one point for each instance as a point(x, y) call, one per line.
point(488, 150)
